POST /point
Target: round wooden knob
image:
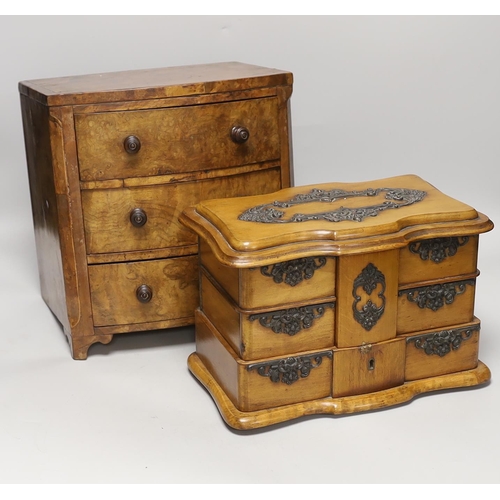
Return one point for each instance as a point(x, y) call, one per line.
point(144, 294)
point(138, 217)
point(132, 144)
point(240, 134)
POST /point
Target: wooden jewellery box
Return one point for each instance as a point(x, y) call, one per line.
point(114, 158)
point(335, 298)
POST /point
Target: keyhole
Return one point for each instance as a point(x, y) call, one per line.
point(371, 364)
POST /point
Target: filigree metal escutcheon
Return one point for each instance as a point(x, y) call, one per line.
point(369, 279)
point(293, 272)
point(289, 370)
point(438, 249)
point(291, 321)
point(272, 213)
point(436, 296)
point(443, 342)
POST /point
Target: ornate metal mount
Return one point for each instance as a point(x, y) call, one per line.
point(291, 321)
point(289, 370)
point(436, 296)
point(441, 343)
point(437, 249)
point(293, 272)
point(269, 213)
point(369, 279)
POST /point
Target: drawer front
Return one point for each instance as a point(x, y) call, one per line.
point(311, 278)
point(297, 280)
point(125, 144)
point(145, 218)
point(435, 306)
point(367, 289)
point(438, 258)
point(143, 292)
point(255, 335)
point(434, 353)
point(369, 368)
point(265, 383)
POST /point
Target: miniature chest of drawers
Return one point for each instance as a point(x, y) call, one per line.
point(335, 298)
point(114, 158)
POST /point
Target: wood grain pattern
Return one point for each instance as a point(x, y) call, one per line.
point(172, 102)
point(404, 306)
point(369, 368)
point(441, 309)
point(155, 83)
point(252, 340)
point(254, 289)
point(436, 215)
point(254, 391)
point(415, 268)
point(350, 331)
point(106, 212)
point(84, 184)
point(44, 208)
point(173, 140)
point(453, 357)
point(174, 283)
point(243, 420)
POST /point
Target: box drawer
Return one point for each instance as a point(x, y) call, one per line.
point(436, 305)
point(123, 144)
point(295, 280)
point(438, 258)
point(368, 368)
point(271, 332)
point(264, 383)
point(110, 218)
point(433, 353)
point(143, 292)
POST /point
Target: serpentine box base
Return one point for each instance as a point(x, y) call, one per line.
point(335, 298)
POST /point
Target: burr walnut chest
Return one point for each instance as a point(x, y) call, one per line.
point(335, 298)
point(114, 158)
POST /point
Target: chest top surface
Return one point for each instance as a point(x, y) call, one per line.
point(153, 83)
point(330, 219)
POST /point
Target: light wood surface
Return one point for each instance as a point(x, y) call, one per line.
point(355, 332)
point(456, 351)
point(253, 391)
point(296, 328)
point(243, 420)
point(243, 244)
point(368, 368)
point(437, 307)
point(258, 287)
point(401, 278)
point(417, 264)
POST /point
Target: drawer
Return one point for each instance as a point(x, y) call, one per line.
point(295, 280)
point(145, 218)
point(438, 258)
point(264, 383)
point(434, 306)
point(123, 144)
point(433, 353)
point(143, 292)
point(264, 333)
point(368, 368)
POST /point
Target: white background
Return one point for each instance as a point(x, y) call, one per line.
point(374, 96)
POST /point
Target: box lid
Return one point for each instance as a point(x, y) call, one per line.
point(330, 219)
point(153, 83)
